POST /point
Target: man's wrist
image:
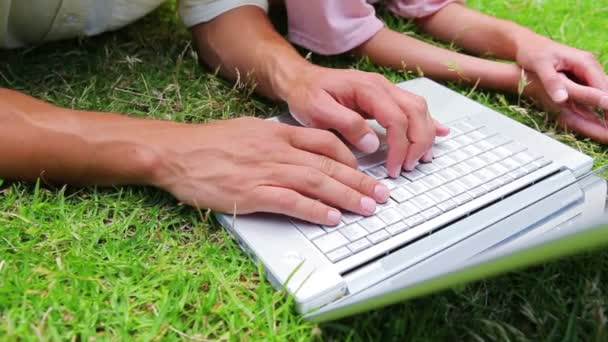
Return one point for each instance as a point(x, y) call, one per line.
point(285, 73)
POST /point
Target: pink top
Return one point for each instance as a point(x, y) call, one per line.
point(330, 27)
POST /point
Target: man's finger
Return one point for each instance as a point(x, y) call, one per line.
point(371, 98)
point(288, 202)
point(421, 128)
point(552, 81)
point(440, 129)
point(350, 124)
point(352, 178)
point(313, 183)
point(322, 142)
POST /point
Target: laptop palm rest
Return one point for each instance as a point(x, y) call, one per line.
point(549, 210)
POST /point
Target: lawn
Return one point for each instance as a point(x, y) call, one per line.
point(131, 263)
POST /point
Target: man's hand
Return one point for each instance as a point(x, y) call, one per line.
point(342, 99)
point(565, 72)
point(249, 165)
point(245, 164)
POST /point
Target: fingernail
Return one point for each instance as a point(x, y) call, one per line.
point(394, 173)
point(604, 102)
point(369, 143)
point(410, 166)
point(560, 95)
point(428, 157)
point(381, 192)
point(333, 217)
point(368, 205)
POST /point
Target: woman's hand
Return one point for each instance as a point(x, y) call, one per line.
point(566, 73)
point(571, 114)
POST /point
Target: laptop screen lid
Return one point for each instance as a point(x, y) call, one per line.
point(578, 233)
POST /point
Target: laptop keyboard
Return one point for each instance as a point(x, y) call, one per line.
point(469, 163)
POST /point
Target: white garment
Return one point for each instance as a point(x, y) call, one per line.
point(27, 22)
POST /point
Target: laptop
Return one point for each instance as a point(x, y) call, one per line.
point(495, 196)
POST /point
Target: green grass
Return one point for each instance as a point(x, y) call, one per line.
point(130, 263)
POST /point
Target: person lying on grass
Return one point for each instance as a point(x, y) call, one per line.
point(246, 164)
point(562, 79)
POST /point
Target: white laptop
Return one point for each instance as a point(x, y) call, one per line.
point(495, 187)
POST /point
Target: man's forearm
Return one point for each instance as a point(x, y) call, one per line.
point(476, 32)
point(39, 140)
point(414, 55)
point(243, 44)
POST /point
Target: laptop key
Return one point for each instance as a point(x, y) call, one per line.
point(330, 241)
point(462, 198)
point(353, 232)
point(465, 126)
point(448, 175)
point(454, 188)
point(498, 140)
point(462, 169)
point(492, 185)
point(390, 216)
point(542, 162)
point(408, 209)
point(523, 158)
point(485, 175)
point(505, 179)
point(310, 230)
point(459, 156)
point(378, 236)
point(518, 173)
point(423, 202)
point(514, 147)
point(378, 172)
point(498, 169)
point(401, 194)
point(383, 206)
point(415, 188)
point(487, 131)
point(373, 159)
point(444, 161)
point(478, 191)
point(475, 163)
point(413, 175)
point(438, 195)
point(431, 181)
point(447, 205)
point(397, 228)
point(502, 152)
point(338, 254)
point(462, 140)
point(415, 220)
point(350, 217)
point(471, 181)
point(372, 224)
point(428, 168)
point(529, 168)
point(431, 213)
point(489, 157)
point(359, 245)
point(476, 135)
point(510, 163)
point(472, 150)
point(400, 181)
point(484, 146)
